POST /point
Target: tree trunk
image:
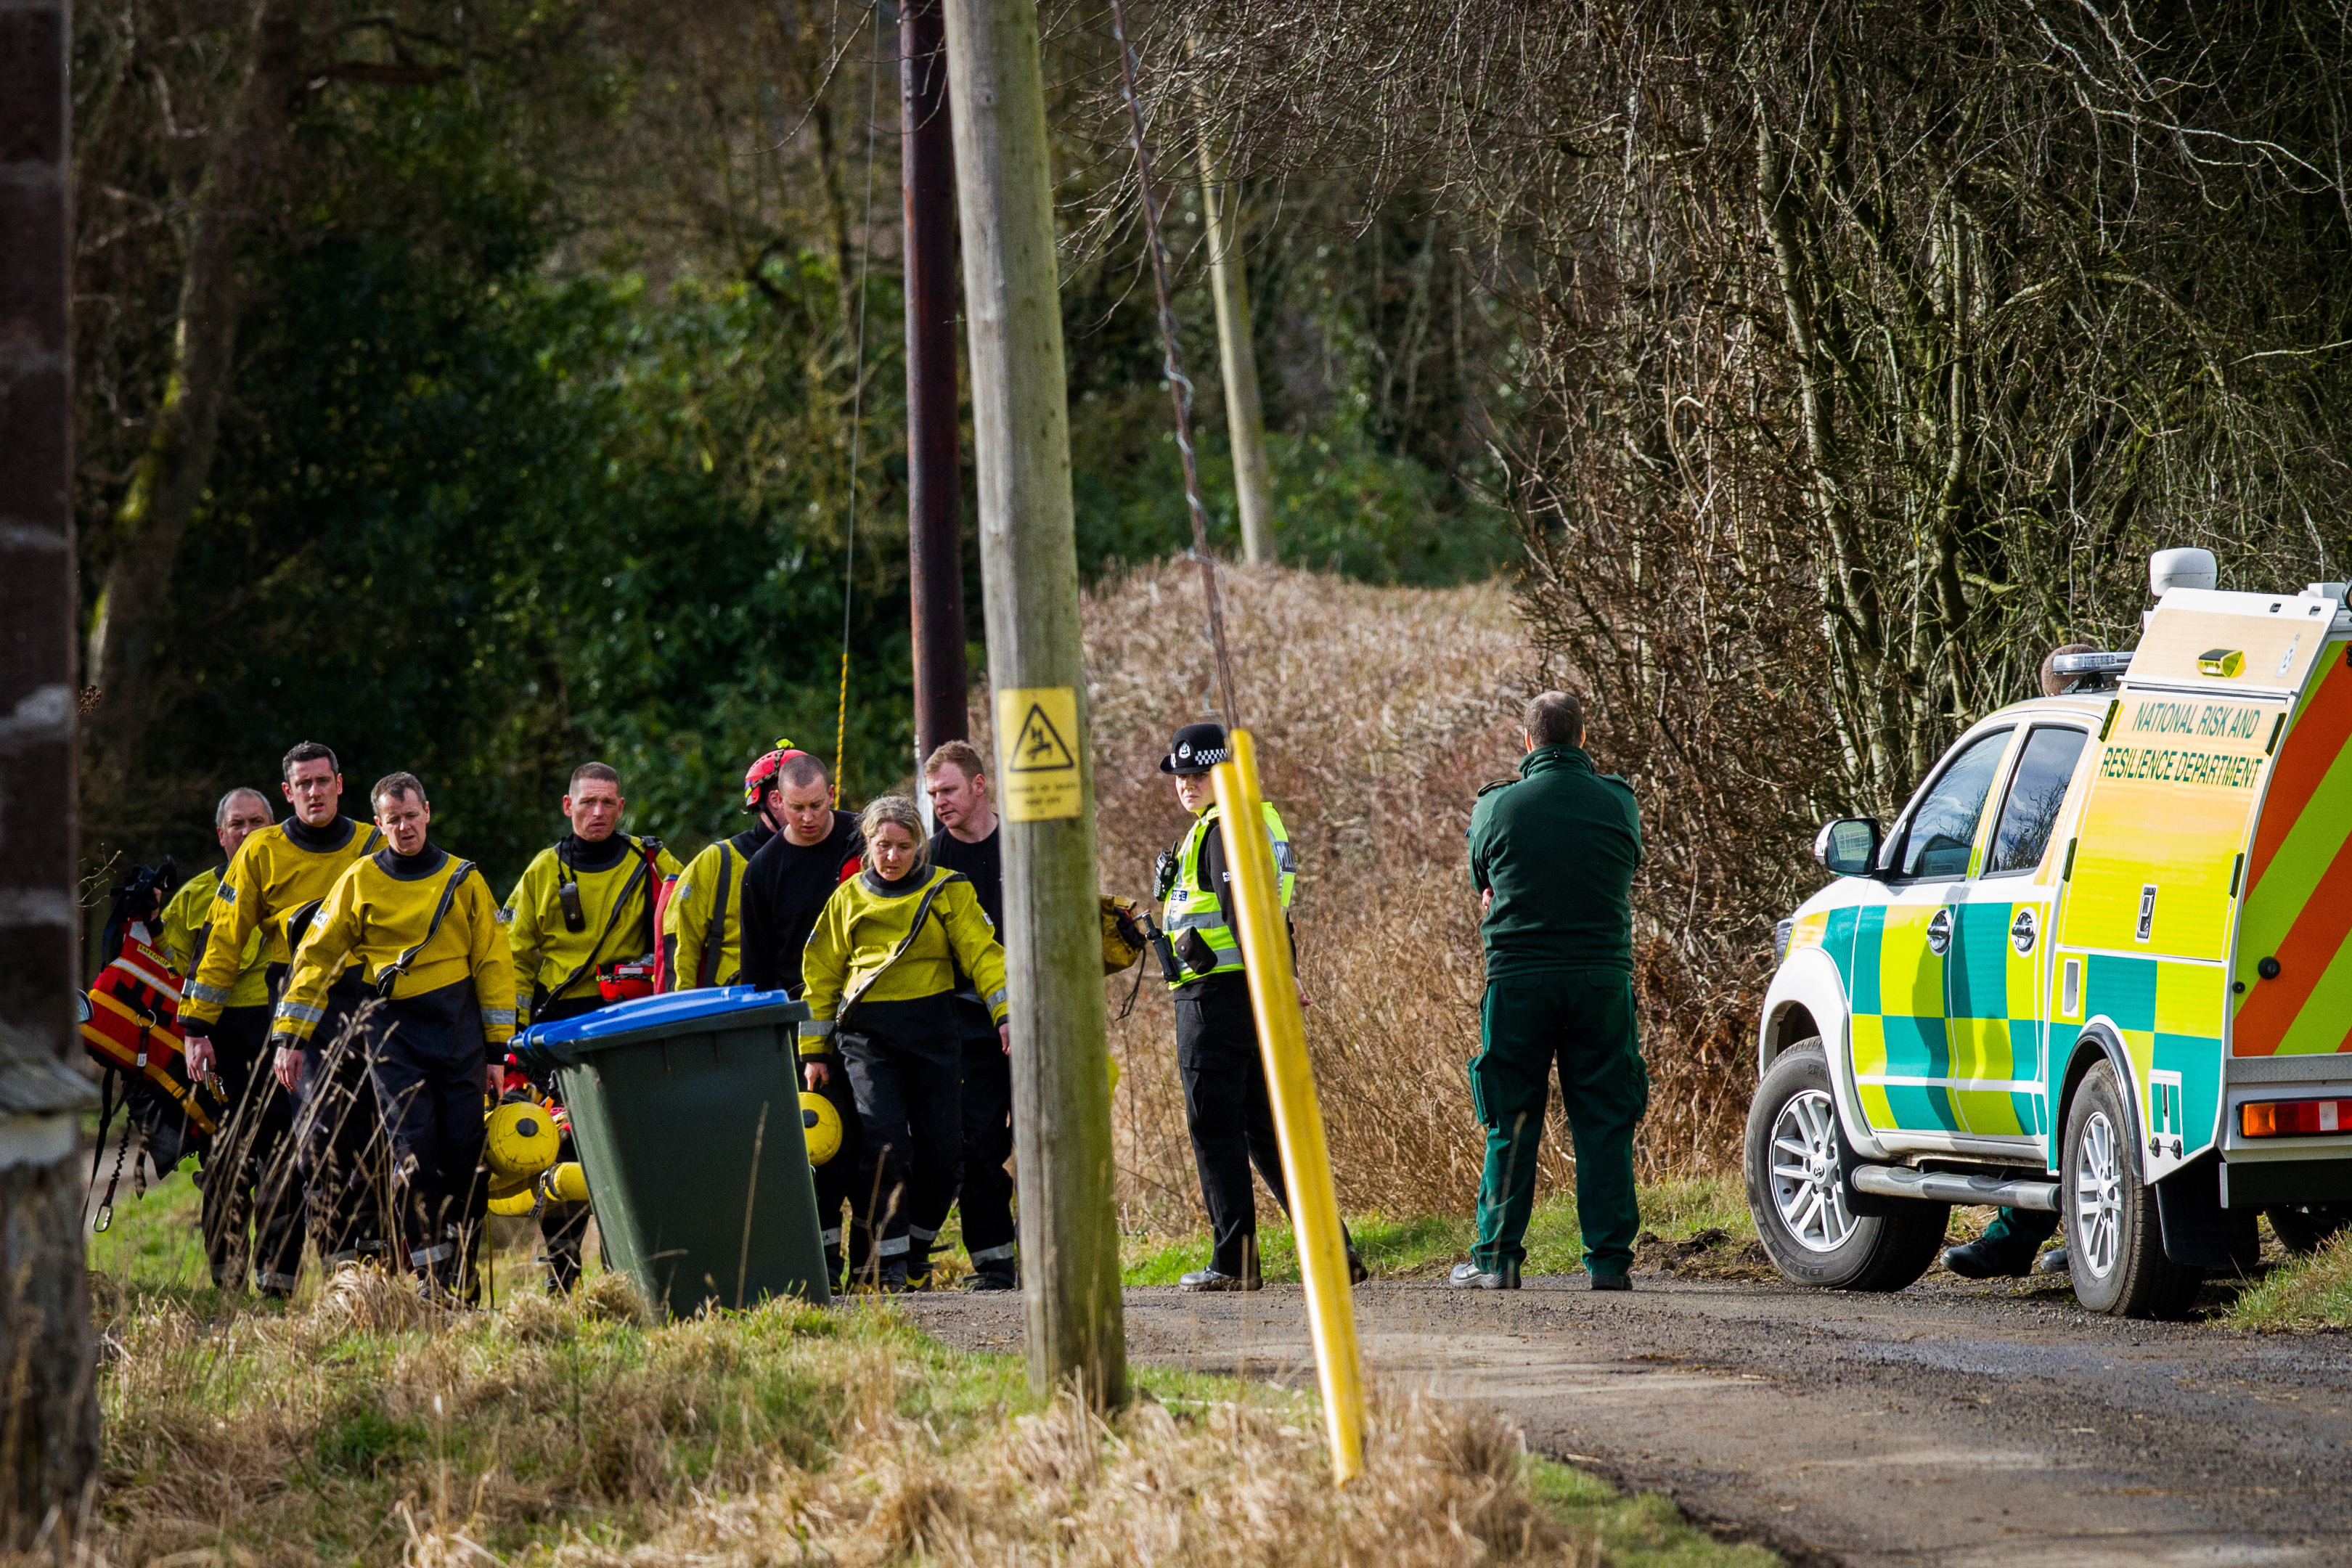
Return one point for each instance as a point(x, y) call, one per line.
point(48, 1434)
point(170, 479)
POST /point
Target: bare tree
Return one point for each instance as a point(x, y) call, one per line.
point(1861, 354)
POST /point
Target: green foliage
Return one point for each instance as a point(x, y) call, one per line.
point(481, 524)
point(1341, 503)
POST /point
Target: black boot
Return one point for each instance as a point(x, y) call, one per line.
point(1991, 1259)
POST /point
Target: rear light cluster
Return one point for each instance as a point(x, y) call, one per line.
point(2294, 1118)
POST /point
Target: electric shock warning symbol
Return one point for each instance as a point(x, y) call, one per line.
point(1036, 726)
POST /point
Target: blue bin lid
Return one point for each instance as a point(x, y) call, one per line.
point(652, 1017)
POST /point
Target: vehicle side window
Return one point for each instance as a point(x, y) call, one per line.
point(2036, 792)
point(1944, 826)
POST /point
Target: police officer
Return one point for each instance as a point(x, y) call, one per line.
point(703, 924)
point(274, 885)
point(248, 1176)
point(420, 929)
point(583, 904)
point(817, 848)
point(1553, 855)
point(967, 841)
point(1226, 1108)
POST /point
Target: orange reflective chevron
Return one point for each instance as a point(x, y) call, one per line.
point(2294, 915)
point(2321, 730)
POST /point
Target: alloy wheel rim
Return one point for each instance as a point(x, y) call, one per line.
point(2098, 1195)
point(1808, 1182)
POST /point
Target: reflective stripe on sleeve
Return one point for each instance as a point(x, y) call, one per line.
point(996, 997)
point(497, 1017)
point(198, 992)
point(298, 1013)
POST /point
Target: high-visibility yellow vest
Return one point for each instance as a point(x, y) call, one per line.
point(1192, 904)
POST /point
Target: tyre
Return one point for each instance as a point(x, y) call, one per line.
point(1797, 1163)
point(2305, 1228)
point(2114, 1247)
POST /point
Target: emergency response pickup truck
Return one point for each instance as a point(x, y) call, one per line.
point(2098, 965)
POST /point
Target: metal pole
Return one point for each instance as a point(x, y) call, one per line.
point(1298, 1119)
point(48, 1445)
point(1244, 418)
point(1061, 1068)
point(934, 512)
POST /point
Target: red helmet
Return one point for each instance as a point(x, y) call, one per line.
point(762, 774)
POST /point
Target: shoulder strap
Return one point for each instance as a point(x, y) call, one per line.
point(612, 920)
point(391, 972)
point(714, 935)
point(649, 851)
point(914, 929)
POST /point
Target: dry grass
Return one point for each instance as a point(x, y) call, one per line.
point(570, 1432)
point(1379, 712)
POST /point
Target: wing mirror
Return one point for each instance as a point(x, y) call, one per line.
point(1848, 845)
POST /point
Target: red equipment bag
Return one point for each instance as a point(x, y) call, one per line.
point(134, 1028)
point(626, 981)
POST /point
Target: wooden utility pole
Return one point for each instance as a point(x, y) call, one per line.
point(1244, 418)
point(1052, 938)
point(49, 1442)
point(934, 501)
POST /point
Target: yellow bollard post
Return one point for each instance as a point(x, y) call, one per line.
point(1297, 1119)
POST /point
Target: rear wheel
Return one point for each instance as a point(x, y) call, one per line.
point(2305, 1228)
point(1797, 1163)
point(2114, 1245)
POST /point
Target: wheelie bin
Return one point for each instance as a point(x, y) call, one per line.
point(686, 1112)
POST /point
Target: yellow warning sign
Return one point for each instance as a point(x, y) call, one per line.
point(1037, 728)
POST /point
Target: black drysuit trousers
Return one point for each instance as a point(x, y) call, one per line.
point(427, 1058)
point(338, 1130)
point(905, 1068)
point(253, 1190)
point(989, 1236)
point(563, 1228)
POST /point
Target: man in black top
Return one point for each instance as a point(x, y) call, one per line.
point(784, 889)
point(957, 780)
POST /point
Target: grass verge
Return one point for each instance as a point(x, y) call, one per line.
point(360, 1425)
point(1695, 1224)
point(2313, 1293)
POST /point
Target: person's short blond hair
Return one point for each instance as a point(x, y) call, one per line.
point(895, 810)
point(962, 753)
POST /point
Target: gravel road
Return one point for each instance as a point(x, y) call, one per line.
point(1951, 1424)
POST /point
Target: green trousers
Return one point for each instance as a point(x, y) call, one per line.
point(1581, 1019)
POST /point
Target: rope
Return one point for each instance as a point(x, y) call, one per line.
point(858, 408)
point(1180, 388)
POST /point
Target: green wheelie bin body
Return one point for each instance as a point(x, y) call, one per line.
point(686, 1112)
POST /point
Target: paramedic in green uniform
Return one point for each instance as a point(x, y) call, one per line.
point(1552, 854)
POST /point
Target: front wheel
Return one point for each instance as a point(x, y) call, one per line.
point(1796, 1169)
point(2115, 1244)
